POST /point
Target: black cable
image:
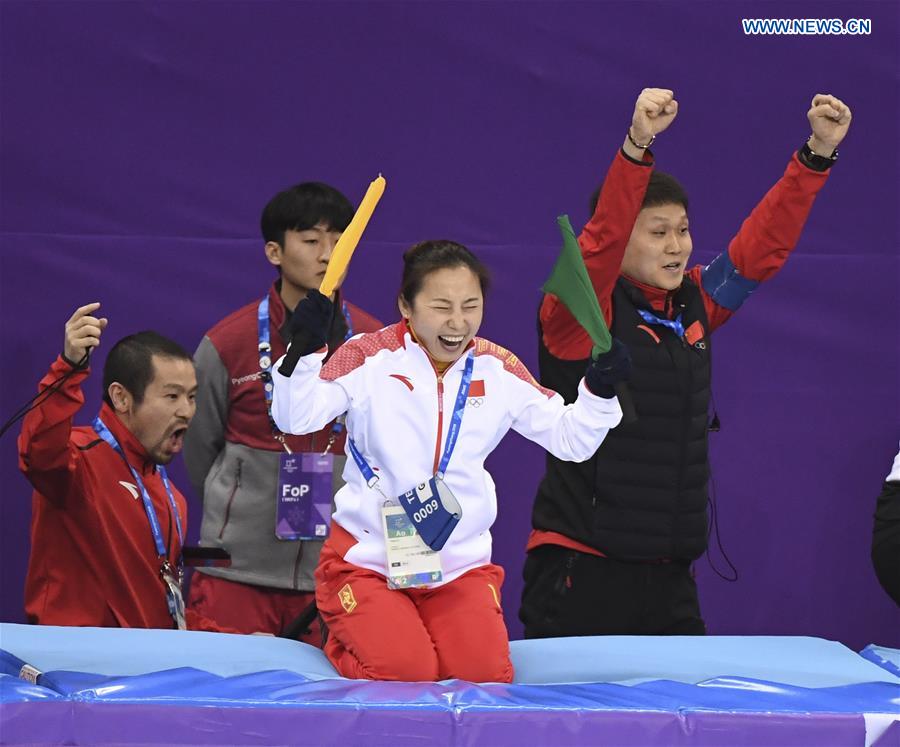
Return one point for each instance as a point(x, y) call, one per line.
point(301, 625)
point(715, 426)
point(42, 396)
point(714, 523)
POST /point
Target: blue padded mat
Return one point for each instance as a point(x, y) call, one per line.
point(886, 658)
point(145, 687)
point(795, 661)
point(122, 651)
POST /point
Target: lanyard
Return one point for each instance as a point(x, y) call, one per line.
point(452, 434)
point(673, 324)
point(265, 363)
point(107, 436)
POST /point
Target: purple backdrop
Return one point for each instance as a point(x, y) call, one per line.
point(139, 142)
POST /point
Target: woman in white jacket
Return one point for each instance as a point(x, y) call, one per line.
point(405, 583)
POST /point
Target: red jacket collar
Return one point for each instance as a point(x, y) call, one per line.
point(657, 297)
point(134, 451)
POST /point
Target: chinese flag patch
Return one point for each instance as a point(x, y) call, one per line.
point(693, 333)
point(476, 388)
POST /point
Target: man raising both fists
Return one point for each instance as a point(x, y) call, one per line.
point(614, 537)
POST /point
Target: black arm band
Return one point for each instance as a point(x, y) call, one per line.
point(641, 162)
point(813, 161)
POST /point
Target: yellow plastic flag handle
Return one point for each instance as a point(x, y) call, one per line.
point(345, 246)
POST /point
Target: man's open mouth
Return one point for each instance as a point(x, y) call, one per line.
point(176, 440)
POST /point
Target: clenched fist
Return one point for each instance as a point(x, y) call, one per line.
point(82, 333)
point(654, 110)
point(829, 118)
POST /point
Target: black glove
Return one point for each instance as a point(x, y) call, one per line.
point(609, 369)
point(309, 329)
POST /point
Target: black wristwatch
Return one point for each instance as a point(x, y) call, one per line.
point(808, 157)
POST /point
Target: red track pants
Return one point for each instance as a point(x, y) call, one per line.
point(250, 609)
point(414, 635)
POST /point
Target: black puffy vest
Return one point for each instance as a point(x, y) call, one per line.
point(642, 496)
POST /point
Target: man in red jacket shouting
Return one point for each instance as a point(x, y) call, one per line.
point(107, 524)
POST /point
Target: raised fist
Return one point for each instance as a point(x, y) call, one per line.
point(829, 118)
point(82, 333)
point(654, 111)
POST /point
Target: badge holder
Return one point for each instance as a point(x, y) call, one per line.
point(175, 600)
point(303, 501)
point(410, 562)
point(303, 510)
point(433, 510)
point(416, 530)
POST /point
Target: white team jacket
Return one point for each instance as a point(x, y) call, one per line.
point(398, 413)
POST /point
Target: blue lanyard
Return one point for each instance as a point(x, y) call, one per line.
point(452, 434)
point(456, 421)
point(673, 324)
point(107, 436)
point(265, 355)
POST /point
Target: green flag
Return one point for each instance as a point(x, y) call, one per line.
point(570, 282)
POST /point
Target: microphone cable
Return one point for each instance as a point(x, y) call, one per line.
point(715, 425)
point(42, 396)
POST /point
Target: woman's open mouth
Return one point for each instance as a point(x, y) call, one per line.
point(451, 343)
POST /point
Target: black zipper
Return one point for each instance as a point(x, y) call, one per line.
point(297, 563)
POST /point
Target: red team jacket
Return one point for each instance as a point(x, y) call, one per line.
point(93, 560)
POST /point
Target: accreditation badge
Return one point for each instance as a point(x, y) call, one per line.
point(433, 510)
point(304, 499)
point(410, 562)
point(174, 600)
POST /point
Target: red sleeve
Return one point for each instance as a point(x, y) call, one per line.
point(602, 243)
point(47, 456)
point(768, 235)
point(773, 229)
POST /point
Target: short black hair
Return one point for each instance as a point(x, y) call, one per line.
point(130, 362)
point(421, 259)
point(663, 189)
point(302, 207)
